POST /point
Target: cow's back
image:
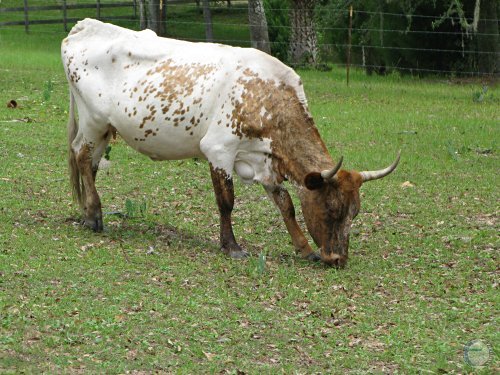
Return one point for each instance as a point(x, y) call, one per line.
point(164, 95)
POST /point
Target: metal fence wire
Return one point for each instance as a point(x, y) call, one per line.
point(66, 13)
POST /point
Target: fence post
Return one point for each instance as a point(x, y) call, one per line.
point(207, 16)
point(26, 22)
point(65, 15)
point(349, 41)
point(98, 9)
point(135, 8)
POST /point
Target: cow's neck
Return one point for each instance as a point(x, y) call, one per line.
point(301, 150)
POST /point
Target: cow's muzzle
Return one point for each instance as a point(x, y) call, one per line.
point(333, 259)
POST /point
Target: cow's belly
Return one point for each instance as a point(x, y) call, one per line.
point(161, 140)
point(159, 130)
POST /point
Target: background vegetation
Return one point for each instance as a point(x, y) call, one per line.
point(418, 37)
point(153, 293)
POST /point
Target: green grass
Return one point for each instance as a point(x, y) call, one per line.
point(153, 293)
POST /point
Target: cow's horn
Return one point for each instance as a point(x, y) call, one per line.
point(374, 175)
point(329, 174)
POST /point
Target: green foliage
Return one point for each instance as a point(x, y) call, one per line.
point(47, 90)
point(107, 151)
point(261, 265)
point(135, 209)
point(479, 96)
point(278, 25)
point(386, 35)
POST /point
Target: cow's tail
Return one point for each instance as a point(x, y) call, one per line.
point(74, 172)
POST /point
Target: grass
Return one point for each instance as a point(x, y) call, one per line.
point(153, 293)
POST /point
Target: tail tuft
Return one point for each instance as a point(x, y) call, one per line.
point(74, 172)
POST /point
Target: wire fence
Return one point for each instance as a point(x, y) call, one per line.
point(185, 21)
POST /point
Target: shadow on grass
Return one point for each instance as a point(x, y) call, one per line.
point(152, 234)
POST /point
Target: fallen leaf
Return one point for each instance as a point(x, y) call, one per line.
point(131, 354)
point(407, 184)
point(120, 317)
point(209, 356)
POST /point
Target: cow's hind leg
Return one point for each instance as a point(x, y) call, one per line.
point(91, 201)
point(284, 202)
point(88, 150)
point(224, 193)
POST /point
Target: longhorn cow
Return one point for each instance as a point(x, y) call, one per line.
point(241, 109)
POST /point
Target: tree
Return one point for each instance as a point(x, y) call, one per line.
point(153, 16)
point(258, 26)
point(278, 26)
point(483, 28)
point(415, 36)
point(303, 39)
point(207, 16)
point(142, 14)
point(488, 40)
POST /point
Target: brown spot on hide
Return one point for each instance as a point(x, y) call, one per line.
point(296, 145)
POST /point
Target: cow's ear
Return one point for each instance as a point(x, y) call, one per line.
point(314, 181)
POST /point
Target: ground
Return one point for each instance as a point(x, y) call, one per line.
point(153, 293)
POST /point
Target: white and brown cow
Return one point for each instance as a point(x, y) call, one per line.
point(242, 110)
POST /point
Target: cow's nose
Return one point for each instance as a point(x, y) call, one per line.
point(334, 260)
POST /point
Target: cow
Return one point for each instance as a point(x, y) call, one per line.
point(242, 110)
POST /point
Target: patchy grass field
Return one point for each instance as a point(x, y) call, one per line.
point(153, 294)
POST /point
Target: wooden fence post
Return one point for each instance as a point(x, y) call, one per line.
point(26, 22)
point(98, 9)
point(349, 41)
point(207, 16)
point(65, 15)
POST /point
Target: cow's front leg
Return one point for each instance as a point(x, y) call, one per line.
point(284, 202)
point(224, 193)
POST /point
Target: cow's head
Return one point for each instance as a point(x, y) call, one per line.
point(330, 202)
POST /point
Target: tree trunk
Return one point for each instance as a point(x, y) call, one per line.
point(163, 18)
point(304, 42)
point(142, 14)
point(157, 14)
point(154, 16)
point(258, 26)
point(487, 38)
point(207, 16)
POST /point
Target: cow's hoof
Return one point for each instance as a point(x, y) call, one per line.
point(95, 224)
point(240, 254)
point(236, 253)
point(312, 257)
